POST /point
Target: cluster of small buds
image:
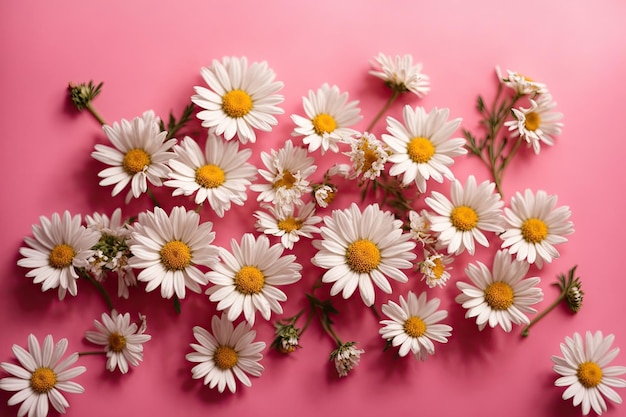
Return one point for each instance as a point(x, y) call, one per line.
point(287, 337)
point(574, 297)
point(346, 357)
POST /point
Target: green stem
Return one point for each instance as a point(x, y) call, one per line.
point(98, 286)
point(382, 111)
point(95, 114)
point(544, 312)
point(375, 311)
point(92, 352)
point(328, 328)
point(155, 202)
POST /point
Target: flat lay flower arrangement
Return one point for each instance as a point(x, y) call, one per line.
point(397, 239)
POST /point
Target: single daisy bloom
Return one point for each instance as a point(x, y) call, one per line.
point(240, 98)
point(286, 175)
point(501, 296)
point(435, 270)
point(122, 340)
point(41, 376)
point(422, 147)
point(368, 155)
point(139, 155)
point(218, 175)
point(520, 84)
point(420, 227)
point(535, 226)
point(169, 250)
point(290, 223)
point(325, 194)
point(361, 249)
point(111, 252)
point(346, 357)
point(246, 280)
point(471, 210)
point(414, 325)
point(536, 124)
point(400, 74)
point(225, 354)
point(328, 119)
point(584, 371)
point(60, 246)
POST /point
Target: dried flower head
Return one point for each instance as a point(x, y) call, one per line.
point(346, 357)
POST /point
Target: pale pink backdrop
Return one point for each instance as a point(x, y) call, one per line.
point(149, 54)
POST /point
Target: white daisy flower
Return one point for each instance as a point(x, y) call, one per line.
point(60, 246)
point(362, 249)
point(414, 325)
point(218, 175)
point(473, 208)
point(584, 371)
point(400, 74)
point(246, 280)
point(422, 147)
point(536, 124)
point(500, 296)
point(122, 340)
point(535, 227)
point(420, 227)
point(286, 175)
point(41, 376)
point(225, 354)
point(521, 84)
point(343, 170)
point(325, 194)
point(328, 118)
point(140, 154)
point(111, 252)
point(170, 249)
point(241, 98)
point(368, 155)
point(435, 269)
point(346, 357)
point(288, 222)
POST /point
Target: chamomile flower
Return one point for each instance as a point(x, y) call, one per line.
point(422, 147)
point(325, 194)
point(346, 357)
point(368, 155)
point(60, 246)
point(218, 175)
point(400, 74)
point(286, 175)
point(122, 340)
point(241, 98)
point(41, 376)
point(501, 296)
point(420, 227)
point(435, 269)
point(247, 280)
point(225, 354)
point(139, 154)
point(461, 220)
point(169, 250)
point(414, 325)
point(360, 249)
point(535, 226)
point(329, 116)
point(537, 124)
point(290, 223)
point(584, 371)
point(520, 84)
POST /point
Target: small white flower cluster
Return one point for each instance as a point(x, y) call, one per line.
point(346, 357)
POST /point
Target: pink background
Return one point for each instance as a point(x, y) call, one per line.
point(149, 55)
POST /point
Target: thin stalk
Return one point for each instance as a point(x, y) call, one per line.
point(95, 114)
point(382, 111)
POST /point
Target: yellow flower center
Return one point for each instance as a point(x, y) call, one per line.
point(61, 256)
point(324, 123)
point(135, 161)
point(534, 230)
point(363, 256)
point(210, 176)
point(533, 120)
point(420, 150)
point(369, 157)
point(287, 181)
point(499, 295)
point(225, 357)
point(43, 380)
point(249, 280)
point(464, 218)
point(175, 255)
point(438, 269)
point(117, 342)
point(236, 103)
point(414, 327)
point(589, 374)
point(290, 224)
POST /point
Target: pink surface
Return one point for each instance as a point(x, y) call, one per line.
point(149, 56)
